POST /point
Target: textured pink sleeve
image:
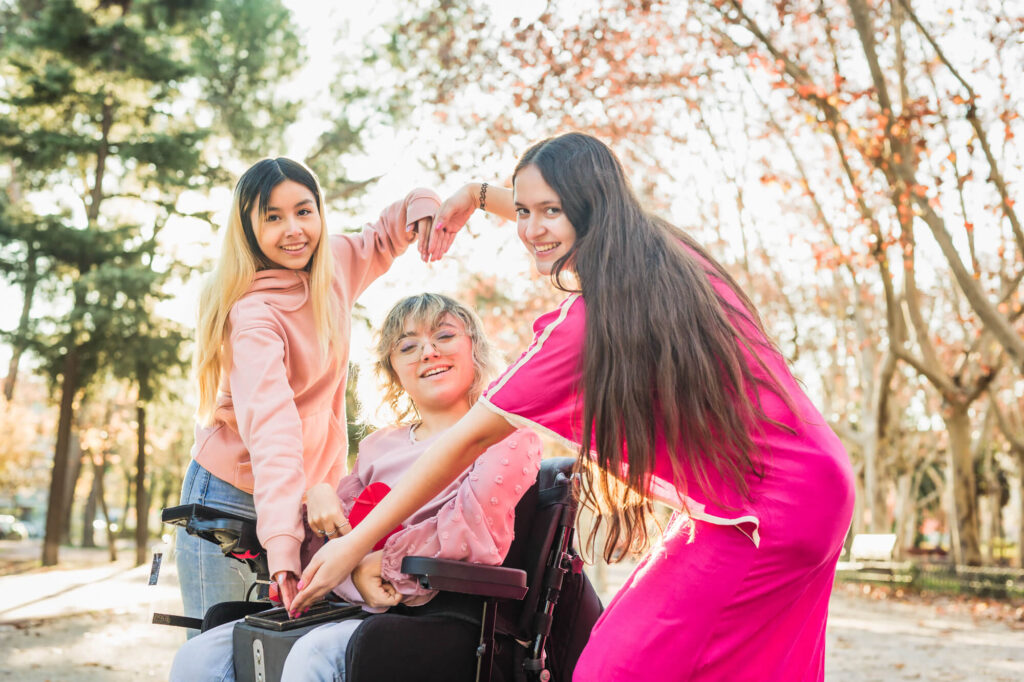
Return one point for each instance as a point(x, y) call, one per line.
point(270, 428)
point(349, 488)
point(477, 524)
point(364, 256)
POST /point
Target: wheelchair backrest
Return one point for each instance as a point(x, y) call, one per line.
point(546, 506)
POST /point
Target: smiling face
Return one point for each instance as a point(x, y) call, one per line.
point(288, 233)
point(434, 364)
point(542, 225)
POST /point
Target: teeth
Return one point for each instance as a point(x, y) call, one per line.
point(546, 247)
point(436, 371)
point(294, 247)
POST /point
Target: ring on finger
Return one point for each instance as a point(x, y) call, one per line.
point(320, 531)
point(331, 532)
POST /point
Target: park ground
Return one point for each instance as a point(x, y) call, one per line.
point(89, 620)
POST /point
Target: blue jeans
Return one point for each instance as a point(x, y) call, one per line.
point(205, 575)
point(317, 656)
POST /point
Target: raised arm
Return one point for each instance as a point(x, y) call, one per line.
point(362, 257)
point(441, 464)
point(456, 211)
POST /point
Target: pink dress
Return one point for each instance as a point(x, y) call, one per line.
point(473, 519)
point(747, 598)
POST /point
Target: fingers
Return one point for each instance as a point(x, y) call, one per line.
point(286, 587)
point(378, 592)
point(305, 597)
point(426, 241)
point(440, 241)
point(441, 245)
point(288, 591)
point(425, 235)
point(313, 583)
point(299, 604)
point(392, 597)
point(421, 227)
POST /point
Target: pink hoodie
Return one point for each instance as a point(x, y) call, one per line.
point(278, 428)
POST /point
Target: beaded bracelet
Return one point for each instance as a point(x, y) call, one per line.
point(483, 196)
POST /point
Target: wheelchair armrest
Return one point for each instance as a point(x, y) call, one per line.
point(233, 533)
point(459, 576)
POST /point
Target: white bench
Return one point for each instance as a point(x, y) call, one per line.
point(871, 555)
point(872, 547)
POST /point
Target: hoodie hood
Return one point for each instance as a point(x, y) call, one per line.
point(281, 288)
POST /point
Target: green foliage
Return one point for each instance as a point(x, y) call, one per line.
point(245, 50)
point(112, 113)
point(103, 100)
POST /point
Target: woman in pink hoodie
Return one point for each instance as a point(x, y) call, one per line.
point(271, 362)
point(434, 361)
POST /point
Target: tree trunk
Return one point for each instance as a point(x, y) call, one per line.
point(58, 479)
point(881, 519)
point(965, 490)
point(26, 307)
point(1020, 526)
point(127, 502)
point(904, 513)
point(995, 494)
point(996, 543)
point(871, 478)
point(141, 498)
point(89, 515)
point(111, 537)
point(167, 490)
point(74, 472)
point(858, 506)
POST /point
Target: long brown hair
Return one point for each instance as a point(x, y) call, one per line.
point(662, 355)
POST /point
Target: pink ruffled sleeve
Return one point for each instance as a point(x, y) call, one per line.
point(541, 389)
point(477, 524)
point(349, 488)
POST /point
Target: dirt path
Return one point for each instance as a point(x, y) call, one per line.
point(872, 640)
point(91, 623)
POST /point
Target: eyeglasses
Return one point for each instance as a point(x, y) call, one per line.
point(410, 348)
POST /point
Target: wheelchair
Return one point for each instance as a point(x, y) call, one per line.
point(524, 621)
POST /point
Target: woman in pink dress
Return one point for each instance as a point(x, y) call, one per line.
point(657, 370)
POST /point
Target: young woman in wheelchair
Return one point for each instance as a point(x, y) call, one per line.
point(656, 368)
point(434, 361)
point(271, 361)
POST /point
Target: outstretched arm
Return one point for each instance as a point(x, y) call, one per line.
point(456, 211)
point(441, 464)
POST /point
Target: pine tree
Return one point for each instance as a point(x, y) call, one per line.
point(100, 113)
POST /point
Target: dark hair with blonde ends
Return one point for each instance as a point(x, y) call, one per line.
point(662, 354)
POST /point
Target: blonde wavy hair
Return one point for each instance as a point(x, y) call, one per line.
point(240, 259)
point(428, 310)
